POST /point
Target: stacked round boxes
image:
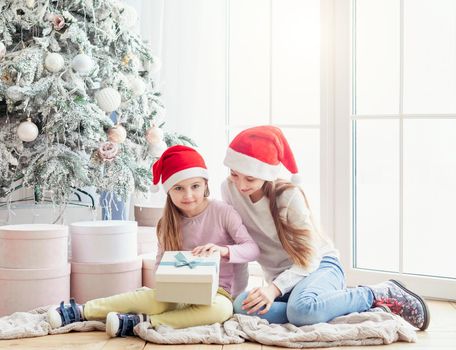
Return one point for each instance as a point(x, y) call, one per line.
point(147, 248)
point(147, 218)
point(104, 259)
point(34, 268)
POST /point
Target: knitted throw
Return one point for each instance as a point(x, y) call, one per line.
point(366, 328)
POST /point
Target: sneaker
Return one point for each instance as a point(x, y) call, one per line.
point(65, 314)
point(121, 325)
point(393, 296)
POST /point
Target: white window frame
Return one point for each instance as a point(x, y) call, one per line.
point(432, 287)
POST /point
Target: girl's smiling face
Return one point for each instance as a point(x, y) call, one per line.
point(188, 196)
point(247, 185)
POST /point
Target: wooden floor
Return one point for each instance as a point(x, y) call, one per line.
point(440, 335)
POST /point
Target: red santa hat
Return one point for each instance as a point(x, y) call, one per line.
point(176, 164)
point(259, 151)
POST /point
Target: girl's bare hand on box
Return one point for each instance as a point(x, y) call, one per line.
point(208, 249)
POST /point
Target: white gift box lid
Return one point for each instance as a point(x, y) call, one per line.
point(106, 227)
point(168, 272)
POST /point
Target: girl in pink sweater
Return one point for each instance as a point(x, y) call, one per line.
point(190, 222)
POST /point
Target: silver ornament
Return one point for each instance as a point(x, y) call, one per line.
point(27, 131)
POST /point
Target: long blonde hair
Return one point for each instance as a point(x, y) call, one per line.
point(169, 226)
point(296, 241)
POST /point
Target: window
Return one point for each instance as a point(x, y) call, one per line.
point(400, 125)
point(232, 64)
point(274, 77)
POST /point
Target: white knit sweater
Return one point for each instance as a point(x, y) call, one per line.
point(275, 261)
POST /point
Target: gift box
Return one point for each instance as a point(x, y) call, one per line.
point(33, 246)
point(98, 280)
point(107, 241)
point(27, 289)
point(184, 278)
point(147, 240)
point(148, 270)
point(146, 216)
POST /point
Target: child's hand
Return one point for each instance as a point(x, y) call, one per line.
point(260, 299)
point(208, 249)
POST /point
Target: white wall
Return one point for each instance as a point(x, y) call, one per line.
point(230, 64)
point(193, 77)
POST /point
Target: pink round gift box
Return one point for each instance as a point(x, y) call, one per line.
point(27, 289)
point(106, 241)
point(33, 246)
point(148, 267)
point(147, 240)
point(98, 280)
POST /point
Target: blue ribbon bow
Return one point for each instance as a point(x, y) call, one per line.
point(182, 260)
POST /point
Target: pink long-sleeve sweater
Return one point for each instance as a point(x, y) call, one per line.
point(220, 224)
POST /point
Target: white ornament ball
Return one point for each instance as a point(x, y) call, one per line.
point(156, 150)
point(154, 135)
point(108, 99)
point(154, 66)
point(129, 16)
point(137, 85)
point(15, 93)
point(2, 50)
point(82, 63)
point(27, 131)
point(30, 3)
point(54, 62)
point(117, 134)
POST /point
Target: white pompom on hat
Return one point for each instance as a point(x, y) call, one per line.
point(259, 152)
point(176, 164)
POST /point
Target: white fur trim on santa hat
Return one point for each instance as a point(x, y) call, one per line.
point(184, 175)
point(251, 166)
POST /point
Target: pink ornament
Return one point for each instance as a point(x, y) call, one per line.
point(27, 131)
point(154, 135)
point(58, 22)
point(117, 134)
point(108, 151)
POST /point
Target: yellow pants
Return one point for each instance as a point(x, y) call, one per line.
point(175, 315)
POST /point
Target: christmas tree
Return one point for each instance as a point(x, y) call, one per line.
point(78, 105)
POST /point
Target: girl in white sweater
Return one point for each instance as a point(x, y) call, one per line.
point(305, 279)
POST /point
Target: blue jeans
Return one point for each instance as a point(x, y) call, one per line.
point(318, 297)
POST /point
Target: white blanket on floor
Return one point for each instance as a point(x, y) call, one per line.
point(367, 328)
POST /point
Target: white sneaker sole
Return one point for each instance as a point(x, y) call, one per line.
point(54, 318)
point(112, 324)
